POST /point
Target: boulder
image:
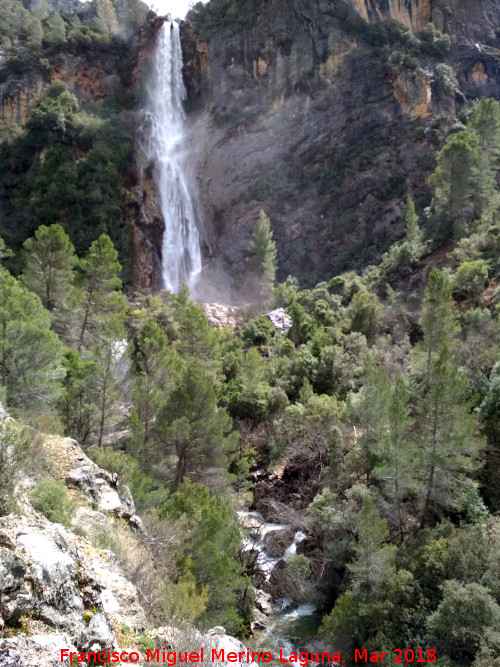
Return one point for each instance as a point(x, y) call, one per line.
point(263, 602)
point(280, 320)
point(57, 578)
point(277, 541)
point(34, 650)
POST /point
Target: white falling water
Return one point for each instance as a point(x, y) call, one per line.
point(165, 145)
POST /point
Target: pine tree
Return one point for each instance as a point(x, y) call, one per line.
point(103, 307)
point(373, 410)
point(438, 323)
point(448, 448)
point(374, 561)
point(464, 185)
point(79, 404)
point(365, 315)
point(486, 123)
point(154, 366)
point(54, 28)
point(262, 254)
point(109, 384)
point(397, 467)
point(413, 238)
point(107, 16)
point(30, 353)
point(411, 222)
point(101, 330)
point(49, 259)
point(195, 429)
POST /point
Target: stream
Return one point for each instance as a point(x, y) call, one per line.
point(289, 625)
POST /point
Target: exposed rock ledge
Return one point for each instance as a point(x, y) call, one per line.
point(60, 591)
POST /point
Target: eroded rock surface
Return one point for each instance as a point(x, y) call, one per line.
point(303, 117)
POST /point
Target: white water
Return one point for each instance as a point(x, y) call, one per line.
point(282, 624)
point(165, 146)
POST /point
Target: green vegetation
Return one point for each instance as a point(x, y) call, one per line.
point(262, 254)
point(379, 409)
point(380, 406)
point(15, 454)
point(50, 497)
point(223, 15)
point(67, 164)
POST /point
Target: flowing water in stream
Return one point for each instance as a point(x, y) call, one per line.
point(166, 147)
point(290, 625)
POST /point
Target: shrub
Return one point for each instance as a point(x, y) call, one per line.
point(50, 497)
point(470, 279)
point(15, 450)
point(258, 331)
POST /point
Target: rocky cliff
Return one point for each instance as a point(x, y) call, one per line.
point(326, 118)
point(64, 588)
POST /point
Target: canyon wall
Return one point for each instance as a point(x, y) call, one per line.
point(314, 116)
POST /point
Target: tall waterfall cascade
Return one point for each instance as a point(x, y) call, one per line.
point(165, 145)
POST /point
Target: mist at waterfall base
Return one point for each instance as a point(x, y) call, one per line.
point(166, 145)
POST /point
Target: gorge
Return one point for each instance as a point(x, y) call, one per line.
point(311, 464)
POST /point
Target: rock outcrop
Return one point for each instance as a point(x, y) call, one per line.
point(306, 115)
point(58, 590)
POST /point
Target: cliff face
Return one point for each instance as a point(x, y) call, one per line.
point(18, 97)
point(413, 13)
point(64, 587)
point(326, 126)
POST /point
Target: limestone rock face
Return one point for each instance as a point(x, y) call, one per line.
point(91, 81)
point(413, 13)
point(303, 117)
point(44, 573)
point(62, 590)
point(34, 650)
point(280, 320)
point(18, 97)
point(413, 92)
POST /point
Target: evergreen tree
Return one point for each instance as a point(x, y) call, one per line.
point(365, 315)
point(413, 242)
point(109, 384)
point(447, 445)
point(30, 353)
point(153, 368)
point(438, 323)
point(373, 412)
point(467, 620)
point(194, 429)
point(49, 259)
point(79, 405)
point(464, 185)
point(413, 234)
point(486, 123)
point(210, 552)
point(103, 308)
point(107, 17)
point(262, 254)
point(54, 28)
point(374, 561)
point(195, 337)
point(397, 467)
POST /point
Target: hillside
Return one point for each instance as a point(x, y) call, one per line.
point(310, 463)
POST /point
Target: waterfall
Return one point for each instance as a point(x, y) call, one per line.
point(165, 145)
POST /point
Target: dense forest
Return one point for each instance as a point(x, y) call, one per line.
point(377, 411)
